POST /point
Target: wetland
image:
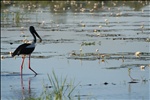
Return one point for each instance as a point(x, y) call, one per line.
point(98, 50)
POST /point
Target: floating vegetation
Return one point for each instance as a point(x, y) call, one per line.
point(87, 43)
point(132, 65)
point(117, 56)
point(42, 57)
point(103, 35)
point(147, 40)
point(141, 66)
point(45, 41)
point(132, 39)
point(115, 67)
point(132, 82)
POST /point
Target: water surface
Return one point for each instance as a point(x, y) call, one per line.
point(71, 35)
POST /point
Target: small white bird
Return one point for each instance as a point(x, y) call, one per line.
point(142, 67)
point(137, 54)
point(102, 56)
point(97, 50)
point(80, 49)
point(2, 57)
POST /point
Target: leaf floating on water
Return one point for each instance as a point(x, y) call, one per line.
point(89, 84)
point(132, 82)
point(11, 43)
point(113, 68)
point(113, 83)
point(105, 83)
point(49, 86)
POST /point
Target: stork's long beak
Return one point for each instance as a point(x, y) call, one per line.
point(38, 36)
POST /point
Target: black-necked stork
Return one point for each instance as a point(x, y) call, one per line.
point(27, 48)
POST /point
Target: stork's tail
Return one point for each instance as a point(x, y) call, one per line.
point(12, 55)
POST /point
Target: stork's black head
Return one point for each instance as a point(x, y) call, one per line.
point(32, 30)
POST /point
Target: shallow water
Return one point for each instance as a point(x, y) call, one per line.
point(101, 75)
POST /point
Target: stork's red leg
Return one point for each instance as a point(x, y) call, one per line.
point(29, 89)
point(30, 67)
point(22, 64)
point(22, 86)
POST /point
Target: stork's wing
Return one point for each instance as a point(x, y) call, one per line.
point(17, 51)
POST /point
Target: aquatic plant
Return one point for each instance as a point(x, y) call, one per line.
point(17, 18)
point(87, 43)
point(147, 40)
point(58, 90)
point(132, 79)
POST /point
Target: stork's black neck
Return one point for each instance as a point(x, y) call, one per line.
point(32, 30)
point(34, 33)
point(34, 40)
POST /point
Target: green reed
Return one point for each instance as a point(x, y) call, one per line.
point(58, 89)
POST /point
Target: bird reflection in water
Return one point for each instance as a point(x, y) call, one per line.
point(26, 91)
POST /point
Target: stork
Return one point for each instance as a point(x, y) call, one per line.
point(27, 49)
